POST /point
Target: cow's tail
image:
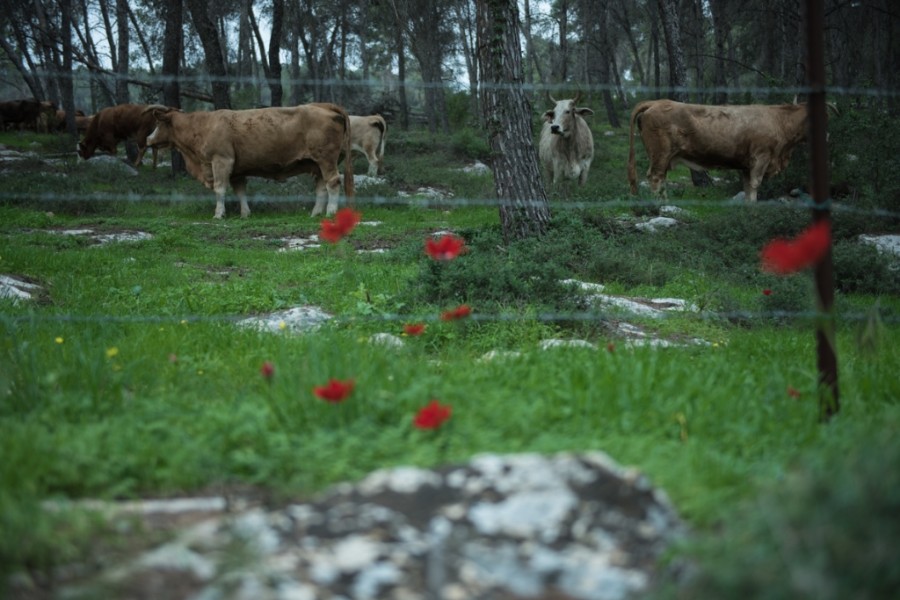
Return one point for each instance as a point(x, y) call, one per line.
point(382, 125)
point(632, 172)
point(348, 160)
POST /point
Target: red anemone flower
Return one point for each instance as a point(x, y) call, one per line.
point(767, 292)
point(446, 247)
point(432, 415)
point(267, 370)
point(344, 222)
point(334, 391)
point(783, 257)
point(414, 328)
point(793, 392)
point(460, 312)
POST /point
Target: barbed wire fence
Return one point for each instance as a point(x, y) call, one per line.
point(818, 202)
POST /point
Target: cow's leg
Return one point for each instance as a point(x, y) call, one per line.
point(333, 184)
point(582, 179)
point(319, 208)
point(221, 168)
point(155, 152)
point(753, 178)
point(239, 184)
point(657, 178)
point(140, 156)
point(373, 163)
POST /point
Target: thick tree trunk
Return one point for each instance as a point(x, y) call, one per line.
point(66, 87)
point(212, 50)
point(721, 30)
point(524, 210)
point(274, 74)
point(173, 51)
point(122, 62)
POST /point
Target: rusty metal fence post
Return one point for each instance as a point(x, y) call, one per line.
point(829, 400)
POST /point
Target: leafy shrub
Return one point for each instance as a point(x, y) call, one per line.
point(861, 268)
point(828, 531)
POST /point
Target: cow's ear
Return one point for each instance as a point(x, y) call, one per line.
point(162, 115)
point(548, 116)
point(584, 112)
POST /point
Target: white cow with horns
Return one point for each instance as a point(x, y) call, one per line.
point(567, 144)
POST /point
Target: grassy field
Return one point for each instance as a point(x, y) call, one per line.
point(127, 375)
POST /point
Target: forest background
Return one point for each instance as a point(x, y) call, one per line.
point(416, 61)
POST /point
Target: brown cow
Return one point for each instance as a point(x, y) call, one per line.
point(225, 146)
point(367, 135)
point(28, 113)
point(115, 124)
point(756, 139)
point(81, 121)
point(566, 146)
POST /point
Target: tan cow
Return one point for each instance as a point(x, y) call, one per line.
point(755, 139)
point(566, 146)
point(115, 124)
point(227, 146)
point(367, 135)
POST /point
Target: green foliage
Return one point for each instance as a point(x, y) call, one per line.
point(861, 268)
point(826, 530)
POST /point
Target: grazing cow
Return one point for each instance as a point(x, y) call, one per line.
point(115, 124)
point(225, 146)
point(27, 113)
point(567, 144)
point(755, 139)
point(367, 136)
point(81, 121)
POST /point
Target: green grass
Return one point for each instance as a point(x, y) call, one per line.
point(127, 376)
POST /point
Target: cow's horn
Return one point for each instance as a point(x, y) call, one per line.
point(151, 107)
point(550, 97)
point(577, 98)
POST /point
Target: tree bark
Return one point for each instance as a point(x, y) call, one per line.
point(66, 87)
point(173, 52)
point(524, 209)
point(274, 74)
point(122, 62)
point(721, 30)
point(212, 51)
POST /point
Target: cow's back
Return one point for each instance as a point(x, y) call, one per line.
point(266, 138)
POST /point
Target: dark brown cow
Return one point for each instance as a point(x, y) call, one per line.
point(755, 139)
point(27, 113)
point(367, 135)
point(227, 146)
point(115, 124)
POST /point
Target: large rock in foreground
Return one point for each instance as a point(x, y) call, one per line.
point(569, 526)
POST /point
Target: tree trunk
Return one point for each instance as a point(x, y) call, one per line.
point(212, 51)
point(621, 16)
point(721, 30)
point(274, 74)
point(66, 87)
point(122, 61)
point(562, 64)
point(141, 39)
point(173, 51)
point(668, 11)
point(524, 210)
point(296, 35)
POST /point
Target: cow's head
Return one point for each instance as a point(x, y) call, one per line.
point(86, 149)
point(563, 116)
point(162, 133)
